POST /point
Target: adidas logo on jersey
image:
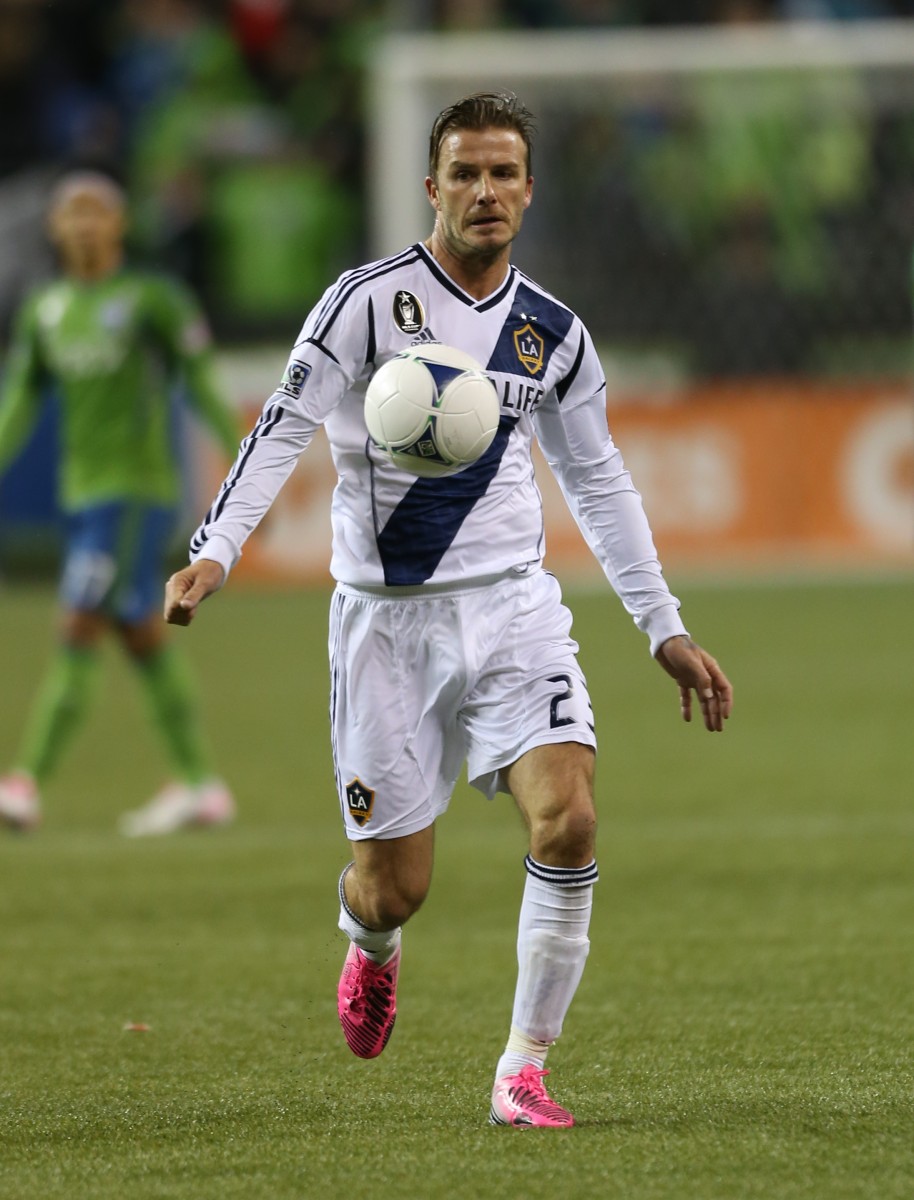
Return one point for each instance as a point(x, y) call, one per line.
point(424, 337)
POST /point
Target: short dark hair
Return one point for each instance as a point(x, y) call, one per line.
point(88, 179)
point(482, 110)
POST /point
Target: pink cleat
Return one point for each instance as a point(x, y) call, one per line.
point(522, 1100)
point(20, 805)
point(367, 1002)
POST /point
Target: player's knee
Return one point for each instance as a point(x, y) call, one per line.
point(390, 879)
point(387, 903)
point(81, 630)
point(392, 909)
point(565, 834)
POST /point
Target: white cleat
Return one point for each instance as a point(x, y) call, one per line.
point(181, 806)
point(20, 804)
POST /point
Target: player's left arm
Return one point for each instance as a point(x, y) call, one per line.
point(695, 670)
point(185, 331)
point(20, 394)
point(573, 431)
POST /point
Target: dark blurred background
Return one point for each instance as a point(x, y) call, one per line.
point(775, 238)
point(713, 227)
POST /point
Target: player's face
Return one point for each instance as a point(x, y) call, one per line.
point(88, 228)
point(480, 191)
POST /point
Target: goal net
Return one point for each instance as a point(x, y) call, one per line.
point(713, 202)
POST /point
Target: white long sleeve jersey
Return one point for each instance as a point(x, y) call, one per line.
point(393, 529)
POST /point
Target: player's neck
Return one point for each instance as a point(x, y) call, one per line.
point(478, 276)
point(93, 268)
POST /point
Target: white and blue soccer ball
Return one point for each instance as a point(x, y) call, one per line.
point(431, 410)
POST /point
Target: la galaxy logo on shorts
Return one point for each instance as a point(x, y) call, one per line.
point(295, 379)
point(408, 312)
point(530, 348)
point(360, 801)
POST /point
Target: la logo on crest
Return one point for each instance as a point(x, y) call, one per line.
point(360, 801)
point(530, 348)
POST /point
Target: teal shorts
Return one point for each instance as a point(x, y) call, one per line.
point(115, 559)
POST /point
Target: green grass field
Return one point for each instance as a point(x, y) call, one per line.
point(745, 1024)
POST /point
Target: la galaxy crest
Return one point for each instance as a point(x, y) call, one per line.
point(408, 312)
point(359, 801)
point(530, 347)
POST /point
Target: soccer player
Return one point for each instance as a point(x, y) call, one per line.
point(113, 342)
point(449, 643)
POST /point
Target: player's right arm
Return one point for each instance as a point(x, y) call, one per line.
point(20, 395)
point(187, 588)
point(328, 356)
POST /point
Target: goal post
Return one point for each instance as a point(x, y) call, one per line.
point(413, 75)
point(731, 213)
point(733, 200)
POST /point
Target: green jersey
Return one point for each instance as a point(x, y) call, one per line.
point(115, 350)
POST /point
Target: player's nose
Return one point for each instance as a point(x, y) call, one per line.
point(485, 191)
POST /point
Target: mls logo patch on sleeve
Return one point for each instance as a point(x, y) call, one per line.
point(360, 801)
point(295, 378)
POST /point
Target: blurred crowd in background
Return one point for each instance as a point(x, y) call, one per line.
point(237, 127)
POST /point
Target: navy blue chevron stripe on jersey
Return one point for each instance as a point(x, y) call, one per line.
point(563, 876)
point(267, 421)
point(561, 389)
point(344, 293)
point(427, 519)
point(535, 327)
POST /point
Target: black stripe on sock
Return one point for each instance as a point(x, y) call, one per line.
point(345, 906)
point(563, 876)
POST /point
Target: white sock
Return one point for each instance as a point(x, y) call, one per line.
point(552, 947)
point(379, 945)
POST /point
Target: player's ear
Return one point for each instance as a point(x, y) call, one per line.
point(528, 193)
point(431, 190)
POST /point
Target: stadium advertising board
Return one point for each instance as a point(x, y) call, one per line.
point(735, 477)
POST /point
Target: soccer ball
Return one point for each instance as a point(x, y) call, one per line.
point(432, 410)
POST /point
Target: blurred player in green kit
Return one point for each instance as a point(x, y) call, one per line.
point(114, 343)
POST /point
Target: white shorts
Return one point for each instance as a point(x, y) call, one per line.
point(421, 683)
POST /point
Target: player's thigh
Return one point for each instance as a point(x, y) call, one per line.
point(553, 786)
point(396, 684)
point(81, 630)
point(136, 599)
point(90, 558)
point(114, 556)
point(145, 637)
point(531, 690)
point(391, 877)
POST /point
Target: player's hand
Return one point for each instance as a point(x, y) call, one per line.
point(696, 671)
point(186, 588)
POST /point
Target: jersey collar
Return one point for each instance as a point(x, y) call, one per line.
point(446, 282)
